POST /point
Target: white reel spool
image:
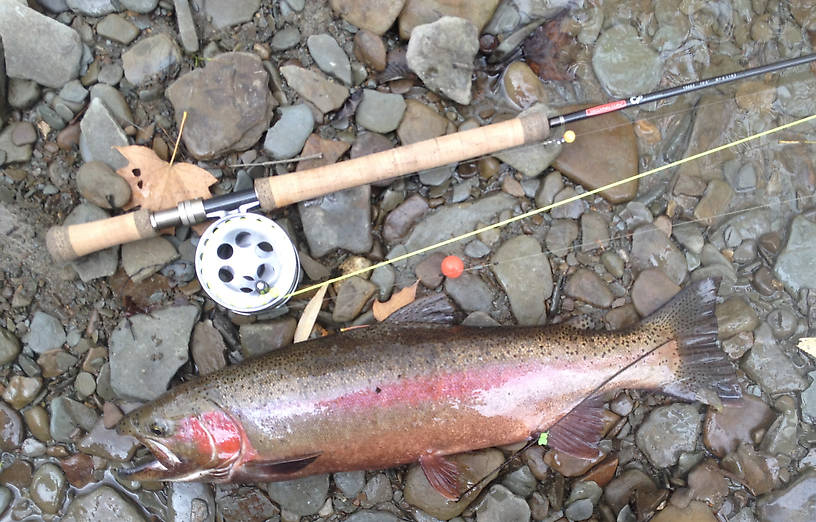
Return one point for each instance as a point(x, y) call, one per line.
point(246, 263)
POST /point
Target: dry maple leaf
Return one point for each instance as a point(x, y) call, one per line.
point(156, 184)
point(404, 297)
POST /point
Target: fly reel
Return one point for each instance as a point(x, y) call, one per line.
point(246, 263)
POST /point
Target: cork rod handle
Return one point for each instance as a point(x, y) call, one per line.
point(280, 191)
point(66, 243)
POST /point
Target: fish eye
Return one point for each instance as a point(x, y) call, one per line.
point(157, 430)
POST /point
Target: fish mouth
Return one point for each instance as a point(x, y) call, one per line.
point(167, 467)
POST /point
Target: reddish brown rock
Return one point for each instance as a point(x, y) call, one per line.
point(708, 484)
point(620, 490)
point(724, 431)
point(330, 151)
point(420, 122)
point(756, 471)
point(570, 466)
point(78, 469)
point(11, 428)
point(375, 15)
point(651, 290)
point(400, 220)
point(207, 347)
point(419, 12)
point(370, 49)
point(68, 137)
point(694, 512)
point(603, 473)
point(17, 474)
point(598, 158)
point(429, 270)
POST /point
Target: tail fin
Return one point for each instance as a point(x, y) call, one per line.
point(699, 369)
point(689, 364)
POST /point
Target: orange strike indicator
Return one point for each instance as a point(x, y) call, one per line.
point(452, 266)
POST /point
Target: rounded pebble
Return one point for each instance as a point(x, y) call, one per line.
point(48, 488)
point(100, 185)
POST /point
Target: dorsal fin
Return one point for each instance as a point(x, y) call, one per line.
point(432, 309)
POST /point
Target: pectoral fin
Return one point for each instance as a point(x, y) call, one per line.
point(274, 469)
point(442, 474)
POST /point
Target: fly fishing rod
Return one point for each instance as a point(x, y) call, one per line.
point(247, 263)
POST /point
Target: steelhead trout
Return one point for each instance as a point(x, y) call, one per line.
point(391, 394)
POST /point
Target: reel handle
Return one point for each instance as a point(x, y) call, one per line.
point(279, 191)
point(67, 243)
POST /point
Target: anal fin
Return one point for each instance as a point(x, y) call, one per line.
point(579, 432)
point(442, 474)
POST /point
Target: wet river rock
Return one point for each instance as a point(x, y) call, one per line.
point(598, 158)
point(103, 503)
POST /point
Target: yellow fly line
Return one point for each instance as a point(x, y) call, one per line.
point(539, 210)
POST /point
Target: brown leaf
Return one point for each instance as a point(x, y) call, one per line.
point(309, 316)
point(545, 50)
point(405, 296)
point(157, 185)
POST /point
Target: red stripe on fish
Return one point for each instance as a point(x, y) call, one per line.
point(415, 391)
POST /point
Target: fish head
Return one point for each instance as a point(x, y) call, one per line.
point(190, 440)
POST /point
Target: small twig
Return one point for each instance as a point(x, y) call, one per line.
point(318, 155)
point(178, 139)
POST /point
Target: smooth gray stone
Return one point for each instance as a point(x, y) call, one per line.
point(380, 112)
point(92, 7)
point(304, 496)
point(51, 61)
point(45, 333)
point(329, 57)
point(117, 28)
point(186, 25)
point(286, 137)
point(103, 503)
point(338, 220)
point(794, 266)
point(99, 134)
point(114, 101)
point(190, 501)
point(154, 56)
point(145, 355)
point(140, 6)
point(225, 13)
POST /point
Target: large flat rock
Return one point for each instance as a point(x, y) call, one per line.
point(228, 103)
point(51, 61)
point(600, 157)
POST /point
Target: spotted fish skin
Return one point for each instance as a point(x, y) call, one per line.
point(391, 394)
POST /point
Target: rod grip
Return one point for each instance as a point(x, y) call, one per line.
point(67, 243)
point(279, 191)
